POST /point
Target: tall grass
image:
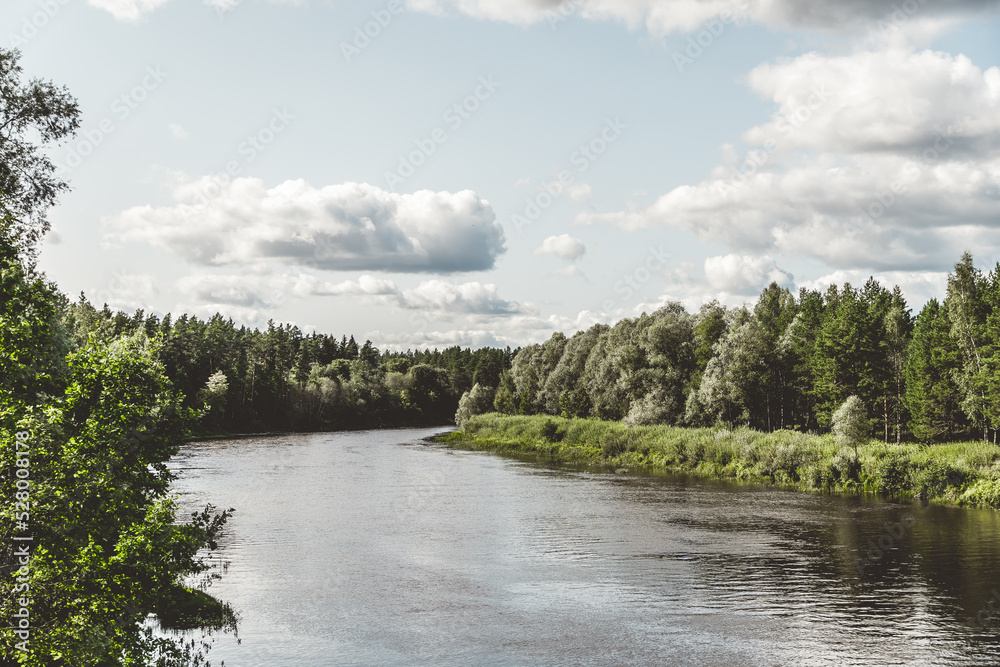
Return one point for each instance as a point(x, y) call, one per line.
point(962, 473)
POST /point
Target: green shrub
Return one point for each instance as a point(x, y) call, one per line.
point(614, 444)
point(984, 493)
point(933, 480)
point(844, 467)
point(551, 431)
point(892, 474)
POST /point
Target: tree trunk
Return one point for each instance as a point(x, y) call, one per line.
point(885, 418)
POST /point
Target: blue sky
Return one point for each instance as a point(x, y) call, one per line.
point(868, 134)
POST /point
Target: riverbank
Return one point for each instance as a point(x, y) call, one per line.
point(960, 473)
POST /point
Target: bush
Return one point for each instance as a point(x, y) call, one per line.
point(551, 431)
point(614, 443)
point(935, 479)
point(984, 493)
point(892, 474)
point(845, 466)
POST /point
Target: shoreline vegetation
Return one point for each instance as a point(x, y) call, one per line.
point(965, 474)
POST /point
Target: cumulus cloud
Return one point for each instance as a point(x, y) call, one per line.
point(517, 331)
point(354, 226)
point(841, 185)
point(563, 246)
point(917, 286)
point(363, 286)
point(269, 290)
point(468, 298)
point(660, 17)
point(876, 101)
point(578, 191)
point(739, 274)
point(571, 271)
point(125, 291)
point(127, 10)
point(244, 291)
point(177, 132)
point(665, 16)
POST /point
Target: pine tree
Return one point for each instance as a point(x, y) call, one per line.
point(932, 361)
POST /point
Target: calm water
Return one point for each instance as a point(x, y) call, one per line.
point(375, 548)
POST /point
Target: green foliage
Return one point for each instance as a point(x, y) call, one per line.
point(964, 473)
point(107, 548)
point(33, 112)
point(281, 380)
point(932, 397)
point(851, 425)
point(551, 431)
point(892, 474)
point(476, 401)
point(844, 467)
point(504, 401)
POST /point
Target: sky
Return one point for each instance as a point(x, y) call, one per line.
point(427, 173)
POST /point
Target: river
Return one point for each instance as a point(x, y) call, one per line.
point(378, 548)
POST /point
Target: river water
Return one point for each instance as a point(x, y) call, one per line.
point(378, 548)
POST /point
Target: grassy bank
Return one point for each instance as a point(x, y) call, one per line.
point(962, 473)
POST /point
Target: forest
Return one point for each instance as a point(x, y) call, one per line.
point(788, 362)
point(250, 381)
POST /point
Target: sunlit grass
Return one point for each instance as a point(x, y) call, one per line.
point(962, 473)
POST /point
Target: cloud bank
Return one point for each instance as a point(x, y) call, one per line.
point(885, 159)
point(353, 226)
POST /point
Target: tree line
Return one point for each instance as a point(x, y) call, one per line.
point(789, 362)
point(280, 379)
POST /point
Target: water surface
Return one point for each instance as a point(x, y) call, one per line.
point(377, 548)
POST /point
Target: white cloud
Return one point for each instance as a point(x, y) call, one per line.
point(127, 10)
point(177, 132)
point(661, 17)
point(578, 191)
point(917, 286)
point(363, 286)
point(844, 186)
point(469, 298)
point(564, 246)
point(264, 291)
point(739, 274)
point(516, 331)
point(354, 226)
point(875, 101)
point(246, 291)
point(125, 291)
point(570, 271)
